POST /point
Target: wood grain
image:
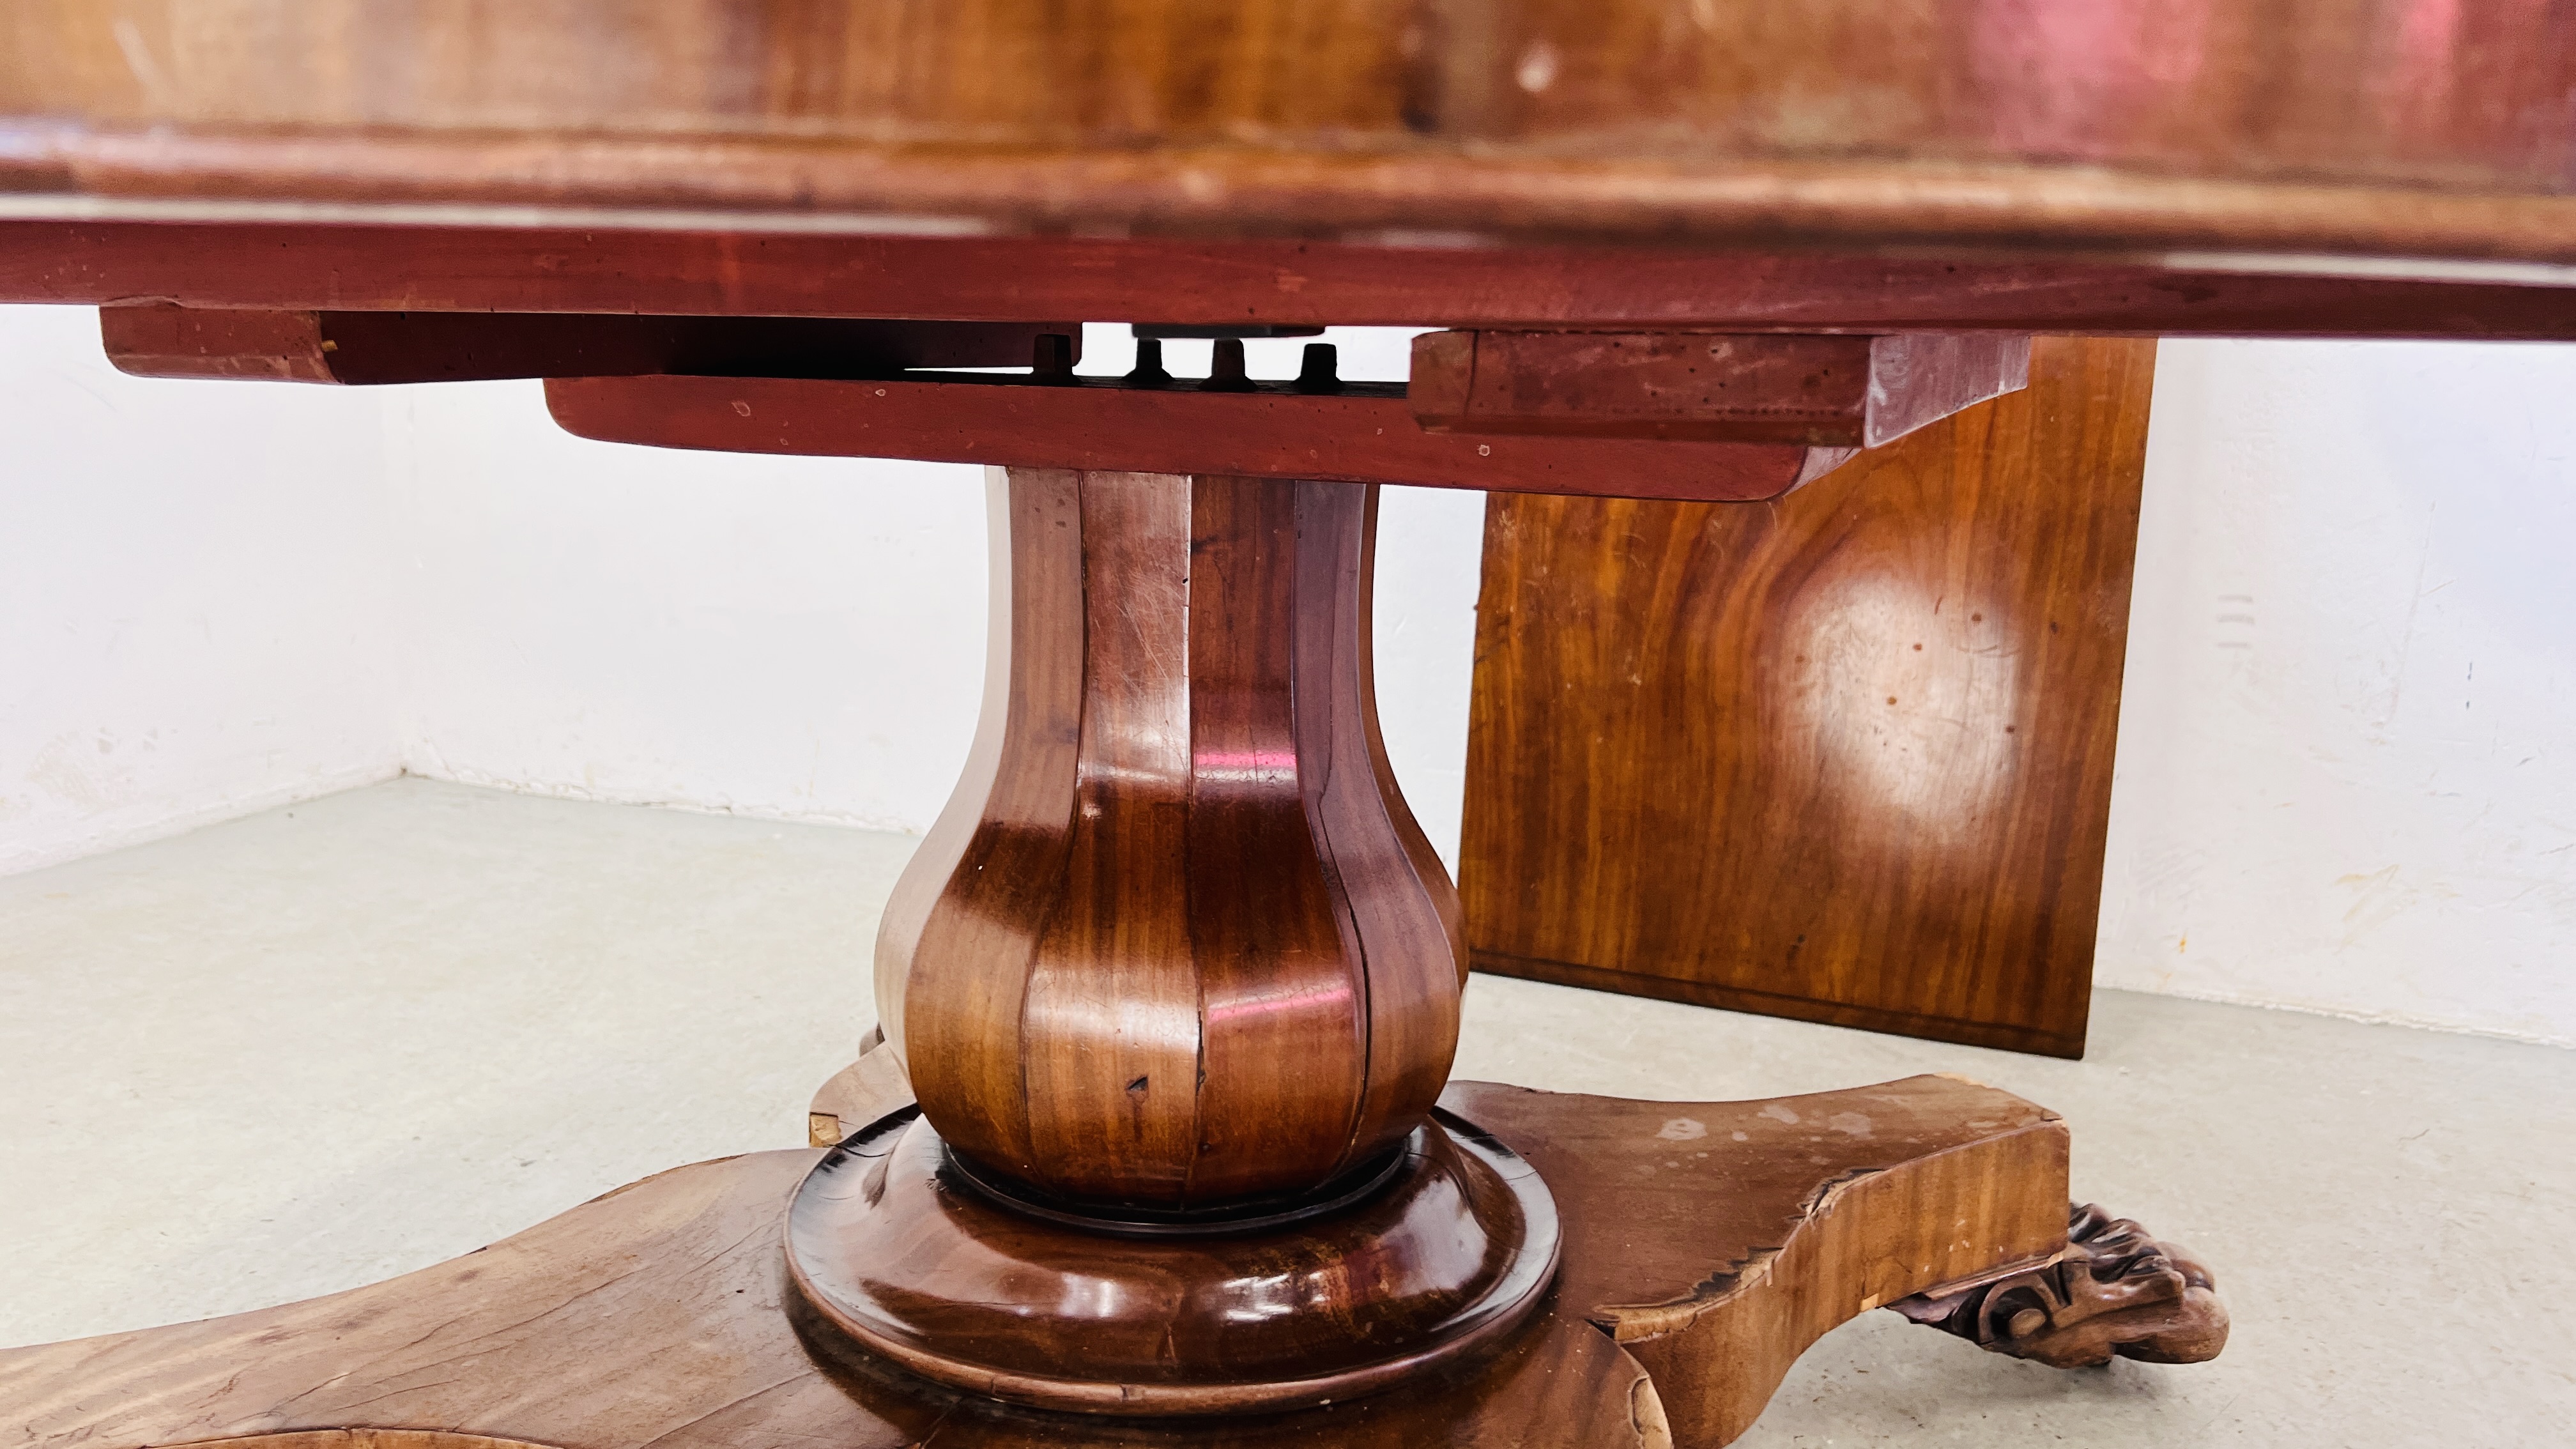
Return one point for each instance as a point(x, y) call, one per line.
point(1171, 945)
point(1427, 1264)
point(718, 268)
point(2287, 125)
point(1784, 1217)
point(1846, 757)
point(1823, 390)
point(1365, 434)
point(1698, 1263)
point(656, 1316)
point(857, 1095)
point(653, 1313)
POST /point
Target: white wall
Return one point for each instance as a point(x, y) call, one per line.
point(2347, 768)
point(2347, 773)
point(795, 637)
point(195, 618)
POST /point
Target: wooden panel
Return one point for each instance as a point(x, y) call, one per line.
point(2285, 125)
point(1829, 390)
point(1364, 434)
point(733, 272)
point(1844, 757)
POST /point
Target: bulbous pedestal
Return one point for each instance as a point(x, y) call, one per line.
point(1176, 979)
point(1176, 943)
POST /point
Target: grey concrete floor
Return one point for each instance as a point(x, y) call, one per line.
point(338, 1041)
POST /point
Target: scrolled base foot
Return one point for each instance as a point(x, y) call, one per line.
point(2116, 1291)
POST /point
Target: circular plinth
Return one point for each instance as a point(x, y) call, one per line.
point(891, 1245)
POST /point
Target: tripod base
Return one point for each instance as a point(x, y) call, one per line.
point(1704, 1246)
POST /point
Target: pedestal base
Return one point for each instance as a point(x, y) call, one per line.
point(1705, 1245)
point(1423, 1260)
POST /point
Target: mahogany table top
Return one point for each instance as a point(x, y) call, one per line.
point(2223, 166)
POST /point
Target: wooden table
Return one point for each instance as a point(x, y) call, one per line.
point(1160, 1147)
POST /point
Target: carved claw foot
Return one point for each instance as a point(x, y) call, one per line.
point(2116, 1290)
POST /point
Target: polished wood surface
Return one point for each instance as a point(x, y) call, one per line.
point(1363, 434)
point(1435, 1258)
point(1176, 942)
point(732, 272)
point(1705, 1245)
point(2342, 126)
point(1846, 757)
point(368, 348)
point(856, 1096)
point(1822, 390)
point(1785, 1217)
point(729, 270)
point(1178, 947)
